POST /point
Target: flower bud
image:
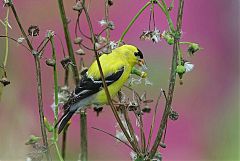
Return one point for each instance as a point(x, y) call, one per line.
point(193, 48)
point(180, 70)
point(168, 37)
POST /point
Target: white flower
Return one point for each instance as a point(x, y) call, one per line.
point(103, 22)
point(156, 35)
point(188, 66)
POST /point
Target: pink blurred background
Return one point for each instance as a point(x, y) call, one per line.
point(208, 102)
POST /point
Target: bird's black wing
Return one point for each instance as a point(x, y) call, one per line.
point(87, 87)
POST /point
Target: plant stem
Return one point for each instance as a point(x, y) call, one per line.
point(6, 40)
point(64, 137)
point(132, 22)
point(84, 143)
point(74, 66)
point(105, 86)
point(153, 120)
point(55, 76)
point(171, 83)
point(68, 40)
point(39, 83)
point(58, 151)
point(166, 12)
point(107, 19)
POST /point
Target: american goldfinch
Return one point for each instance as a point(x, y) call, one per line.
point(116, 66)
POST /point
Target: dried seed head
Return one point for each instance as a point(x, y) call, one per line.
point(80, 52)
point(98, 110)
point(78, 40)
point(83, 70)
point(173, 115)
point(101, 39)
point(20, 40)
point(49, 34)
point(7, 3)
point(50, 62)
point(33, 30)
point(146, 109)
point(4, 81)
point(97, 46)
point(65, 62)
point(151, 35)
point(77, 7)
point(110, 2)
point(163, 145)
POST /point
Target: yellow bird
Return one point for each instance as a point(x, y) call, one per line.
point(116, 66)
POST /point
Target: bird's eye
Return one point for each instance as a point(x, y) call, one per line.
point(139, 54)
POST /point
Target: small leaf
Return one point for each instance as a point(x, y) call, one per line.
point(48, 125)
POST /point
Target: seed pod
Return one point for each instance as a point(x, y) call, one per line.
point(50, 62)
point(65, 62)
point(80, 52)
point(33, 30)
point(78, 40)
point(77, 7)
point(163, 145)
point(5, 81)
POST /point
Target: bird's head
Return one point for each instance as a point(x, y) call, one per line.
point(133, 55)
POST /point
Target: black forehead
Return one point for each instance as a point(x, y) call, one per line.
point(139, 53)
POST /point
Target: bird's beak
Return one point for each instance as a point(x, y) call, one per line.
point(142, 63)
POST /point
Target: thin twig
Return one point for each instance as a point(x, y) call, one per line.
point(171, 83)
point(55, 75)
point(107, 19)
point(113, 137)
point(15, 40)
point(65, 130)
point(153, 120)
point(68, 40)
point(132, 22)
point(130, 127)
point(39, 83)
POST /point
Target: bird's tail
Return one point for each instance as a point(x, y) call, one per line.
point(64, 120)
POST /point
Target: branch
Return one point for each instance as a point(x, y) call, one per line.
point(39, 83)
point(68, 40)
point(171, 83)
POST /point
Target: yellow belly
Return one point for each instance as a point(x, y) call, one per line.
point(113, 89)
